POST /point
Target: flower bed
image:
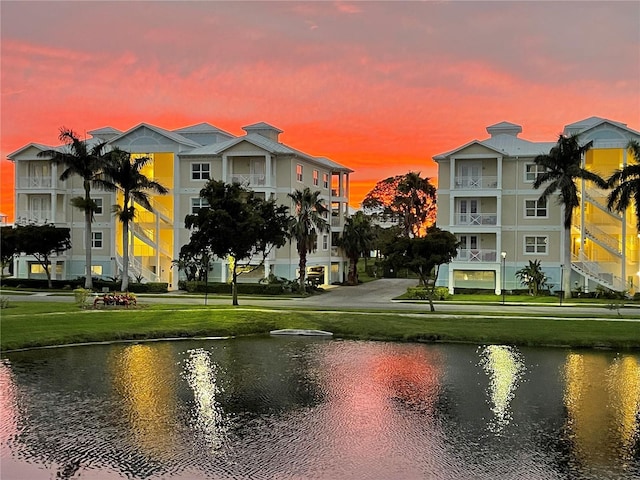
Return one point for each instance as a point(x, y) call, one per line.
point(124, 299)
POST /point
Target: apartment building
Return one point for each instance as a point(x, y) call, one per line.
point(486, 198)
point(183, 161)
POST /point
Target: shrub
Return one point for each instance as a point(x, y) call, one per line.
point(244, 288)
point(440, 293)
point(81, 296)
point(151, 287)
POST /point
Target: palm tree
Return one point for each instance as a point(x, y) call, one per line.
point(124, 174)
point(85, 160)
point(533, 277)
point(305, 224)
point(563, 165)
point(357, 239)
point(626, 185)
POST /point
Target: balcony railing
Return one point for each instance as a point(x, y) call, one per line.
point(35, 182)
point(476, 219)
point(475, 255)
point(476, 182)
point(335, 221)
point(38, 217)
point(249, 179)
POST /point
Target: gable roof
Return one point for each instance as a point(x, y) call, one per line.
point(39, 146)
point(594, 122)
point(443, 156)
point(105, 131)
point(203, 127)
point(166, 133)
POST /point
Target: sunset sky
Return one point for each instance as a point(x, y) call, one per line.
point(380, 87)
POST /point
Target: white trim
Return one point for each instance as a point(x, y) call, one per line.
point(537, 171)
point(95, 239)
point(546, 245)
point(536, 208)
point(200, 172)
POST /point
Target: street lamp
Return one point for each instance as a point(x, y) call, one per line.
point(504, 261)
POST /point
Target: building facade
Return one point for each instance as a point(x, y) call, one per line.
point(486, 198)
point(183, 160)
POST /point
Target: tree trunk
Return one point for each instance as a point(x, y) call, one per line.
point(88, 281)
point(302, 266)
point(125, 257)
point(47, 270)
point(353, 272)
point(234, 285)
point(566, 279)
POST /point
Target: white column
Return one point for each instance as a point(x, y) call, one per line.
point(224, 168)
point(53, 206)
point(268, 172)
point(450, 279)
point(452, 185)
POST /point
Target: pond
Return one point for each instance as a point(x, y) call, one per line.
point(300, 408)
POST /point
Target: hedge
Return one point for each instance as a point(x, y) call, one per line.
point(225, 288)
point(98, 285)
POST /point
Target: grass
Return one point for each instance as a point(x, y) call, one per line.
point(27, 324)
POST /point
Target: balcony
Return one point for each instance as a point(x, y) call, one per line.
point(476, 219)
point(475, 255)
point(249, 179)
point(34, 216)
point(475, 183)
point(35, 182)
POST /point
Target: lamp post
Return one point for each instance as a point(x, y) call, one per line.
point(504, 261)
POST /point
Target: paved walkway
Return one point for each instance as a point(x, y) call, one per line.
point(377, 295)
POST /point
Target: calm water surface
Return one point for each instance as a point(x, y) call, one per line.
point(293, 408)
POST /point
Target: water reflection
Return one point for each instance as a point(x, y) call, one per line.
point(304, 408)
point(144, 377)
point(209, 418)
point(505, 367)
point(623, 383)
point(602, 398)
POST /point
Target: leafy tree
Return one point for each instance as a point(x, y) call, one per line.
point(356, 240)
point(533, 277)
point(192, 263)
point(563, 166)
point(305, 224)
point(8, 247)
point(626, 185)
point(84, 159)
point(123, 173)
point(423, 256)
point(409, 197)
point(42, 241)
point(236, 224)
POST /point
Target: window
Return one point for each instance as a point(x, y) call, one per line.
point(96, 269)
point(535, 208)
point(98, 210)
point(36, 268)
point(198, 203)
point(200, 171)
point(299, 172)
point(535, 245)
point(315, 177)
point(96, 239)
point(532, 171)
point(325, 180)
point(325, 242)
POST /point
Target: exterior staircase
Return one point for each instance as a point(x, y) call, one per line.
point(592, 270)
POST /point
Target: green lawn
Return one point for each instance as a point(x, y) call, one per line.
point(27, 324)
